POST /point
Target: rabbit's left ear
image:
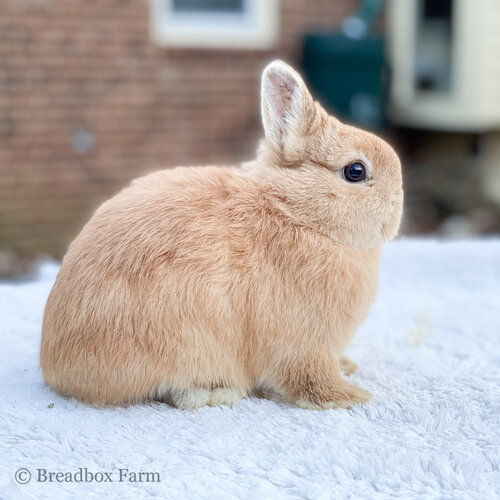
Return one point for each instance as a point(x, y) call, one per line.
point(287, 106)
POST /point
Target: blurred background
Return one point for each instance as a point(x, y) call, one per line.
point(96, 93)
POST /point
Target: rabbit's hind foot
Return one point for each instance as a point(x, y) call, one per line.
point(196, 397)
point(225, 396)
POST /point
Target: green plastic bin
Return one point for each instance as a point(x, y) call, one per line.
point(349, 77)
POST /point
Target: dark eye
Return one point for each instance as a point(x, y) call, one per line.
point(355, 172)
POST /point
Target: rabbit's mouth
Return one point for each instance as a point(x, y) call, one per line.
point(387, 231)
point(390, 227)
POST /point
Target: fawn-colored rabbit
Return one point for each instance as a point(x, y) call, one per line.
point(196, 286)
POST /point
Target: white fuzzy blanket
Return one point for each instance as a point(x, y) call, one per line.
point(429, 352)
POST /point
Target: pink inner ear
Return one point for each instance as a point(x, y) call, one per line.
point(283, 89)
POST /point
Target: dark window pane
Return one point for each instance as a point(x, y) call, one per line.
point(433, 61)
point(208, 5)
point(437, 9)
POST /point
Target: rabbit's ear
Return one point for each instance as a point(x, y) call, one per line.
point(287, 106)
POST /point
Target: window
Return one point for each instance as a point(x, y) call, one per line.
point(238, 24)
point(208, 6)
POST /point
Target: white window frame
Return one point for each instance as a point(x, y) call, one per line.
point(256, 28)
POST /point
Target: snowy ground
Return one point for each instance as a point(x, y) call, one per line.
point(429, 352)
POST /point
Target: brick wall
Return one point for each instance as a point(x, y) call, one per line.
point(78, 65)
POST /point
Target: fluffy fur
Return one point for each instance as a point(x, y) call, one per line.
point(199, 285)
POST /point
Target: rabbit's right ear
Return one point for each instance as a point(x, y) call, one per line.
point(287, 106)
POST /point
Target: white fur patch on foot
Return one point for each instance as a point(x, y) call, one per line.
point(223, 396)
point(190, 399)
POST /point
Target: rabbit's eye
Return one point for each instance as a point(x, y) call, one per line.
point(355, 172)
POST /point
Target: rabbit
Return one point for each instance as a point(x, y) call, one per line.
point(201, 285)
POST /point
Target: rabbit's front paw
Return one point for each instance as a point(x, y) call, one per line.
point(358, 396)
point(348, 396)
point(348, 366)
point(223, 396)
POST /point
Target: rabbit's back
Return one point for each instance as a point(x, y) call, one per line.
point(152, 284)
